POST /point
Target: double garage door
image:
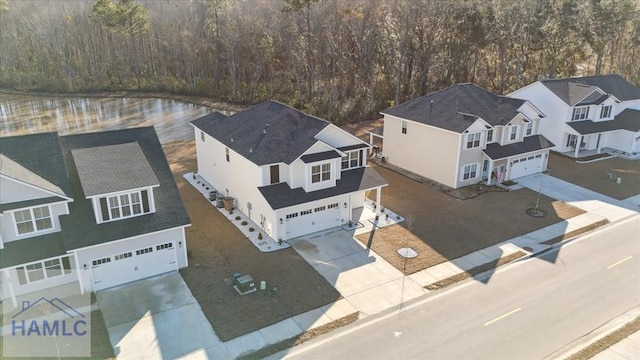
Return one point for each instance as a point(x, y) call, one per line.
point(133, 265)
point(526, 165)
point(310, 220)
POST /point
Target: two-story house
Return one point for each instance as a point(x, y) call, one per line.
point(463, 135)
point(98, 209)
point(291, 173)
point(587, 113)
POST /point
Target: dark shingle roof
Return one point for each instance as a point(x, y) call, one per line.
point(530, 143)
point(40, 154)
point(281, 195)
point(80, 228)
point(30, 203)
point(572, 90)
point(103, 169)
point(32, 249)
point(267, 133)
point(457, 107)
point(325, 155)
point(628, 119)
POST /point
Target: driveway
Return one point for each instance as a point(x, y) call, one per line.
point(367, 281)
point(157, 318)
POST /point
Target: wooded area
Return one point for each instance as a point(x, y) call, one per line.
point(341, 60)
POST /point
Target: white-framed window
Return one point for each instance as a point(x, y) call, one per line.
point(580, 113)
point(572, 140)
point(291, 216)
point(226, 154)
point(513, 132)
point(473, 140)
point(122, 256)
point(470, 171)
point(168, 245)
point(489, 135)
point(42, 270)
point(528, 129)
point(127, 205)
point(306, 212)
point(202, 136)
point(332, 206)
point(404, 127)
point(351, 160)
point(33, 220)
point(320, 173)
point(605, 112)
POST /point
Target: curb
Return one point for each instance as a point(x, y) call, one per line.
point(595, 335)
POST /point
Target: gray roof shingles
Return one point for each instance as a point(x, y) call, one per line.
point(103, 169)
point(530, 143)
point(628, 119)
point(267, 133)
point(573, 90)
point(281, 195)
point(457, 107)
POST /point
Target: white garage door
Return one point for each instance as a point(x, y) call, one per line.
point(133, 265)
point(310, 220)
point(526, 165)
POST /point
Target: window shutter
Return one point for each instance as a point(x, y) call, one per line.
point(105, 209)
point(145, 201)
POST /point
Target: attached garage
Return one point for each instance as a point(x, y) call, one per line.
point(526, 165)
point(305, 220)
point(133, 265)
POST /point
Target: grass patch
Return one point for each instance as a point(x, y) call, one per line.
point(474, 271)
point(576, 232)
point(299, 339)
point(607, 341)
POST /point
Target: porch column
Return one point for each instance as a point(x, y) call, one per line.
point(490, 171)
point(378, 195)
point(578, 142)
point(12, 292)
point(598, 147)
point(80, 269)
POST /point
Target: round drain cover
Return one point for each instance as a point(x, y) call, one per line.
point(408, 253)
point(535, 212)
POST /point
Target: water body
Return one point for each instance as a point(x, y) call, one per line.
point(24, 114)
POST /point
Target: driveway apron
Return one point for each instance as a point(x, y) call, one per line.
point(155, 318)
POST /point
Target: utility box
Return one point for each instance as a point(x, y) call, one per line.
point(244, 284)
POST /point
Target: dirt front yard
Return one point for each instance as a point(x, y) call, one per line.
point(441, 228)
point(599, 175)
point(217, 249)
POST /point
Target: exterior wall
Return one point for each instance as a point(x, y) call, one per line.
point(424, 150)
point(10, 278)
point(620, 140)
point(337, 137)
point(8, 226)
point(86, 255)
point(283, 173)
point(15, 191)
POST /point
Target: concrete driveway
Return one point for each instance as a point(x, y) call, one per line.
point(157, 318)
point(367, 281)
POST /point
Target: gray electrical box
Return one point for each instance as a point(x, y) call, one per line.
point(244, 284)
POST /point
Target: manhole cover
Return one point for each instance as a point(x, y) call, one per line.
point(408, 253)
point(536, 212)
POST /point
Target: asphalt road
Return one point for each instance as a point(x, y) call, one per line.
point(526, 311)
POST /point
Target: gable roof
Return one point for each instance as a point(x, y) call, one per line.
point(267, 133)
point(496, 151)
point(457, 107)
point(37, 160)
point(170, 210)
point(103, 169)
point(628, 119)
point(573, 90)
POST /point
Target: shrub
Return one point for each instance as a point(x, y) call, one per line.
point(259, 236)
point(244, 222)
point(252, 229)
point(237, 217)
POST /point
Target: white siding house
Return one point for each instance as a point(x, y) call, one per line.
point(289, 172)
point(98, 210)
point(587, 113)
point(464, 135)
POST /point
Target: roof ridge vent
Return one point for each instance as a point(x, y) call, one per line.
point(251, 150)
point(264, 131)
point(231, 139)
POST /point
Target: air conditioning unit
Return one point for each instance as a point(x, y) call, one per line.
point(244, 284)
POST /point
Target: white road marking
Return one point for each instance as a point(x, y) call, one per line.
point(502, 316)
point(619, 262)
point(396, 333)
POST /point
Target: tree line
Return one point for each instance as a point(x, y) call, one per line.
point(341, 60)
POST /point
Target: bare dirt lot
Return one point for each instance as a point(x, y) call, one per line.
point(440, 227)
point(595, 175)
point(217, 249)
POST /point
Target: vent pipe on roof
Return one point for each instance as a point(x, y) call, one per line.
point(264, 131)
point(231, 139)
point(251, 150)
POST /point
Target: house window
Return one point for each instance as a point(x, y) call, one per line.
point(320, 208)
point(144, 251)
point(489, 135)
point(125, 205)
point(274, 171)
point(528, 129)
point(580, 113)
point(332, 206)
point(320, 172)
point(101, 261)
point(43, 270)
point(404, 127)
point(202, 136)
point(123, 256)
point(164, 246)
point(291, 216)
point(470, 171)
point(605, 112)
point(572, 140)
point(351, 160)
point(473, 140)
point(226, 154)
point(513, 132)
point(306, 212)
point(53, 267)
point(33, 220)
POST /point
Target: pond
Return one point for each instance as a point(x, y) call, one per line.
point(25, 114)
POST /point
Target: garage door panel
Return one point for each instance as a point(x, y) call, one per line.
point(526, 165)
point(310, 220)
point(133, 265)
